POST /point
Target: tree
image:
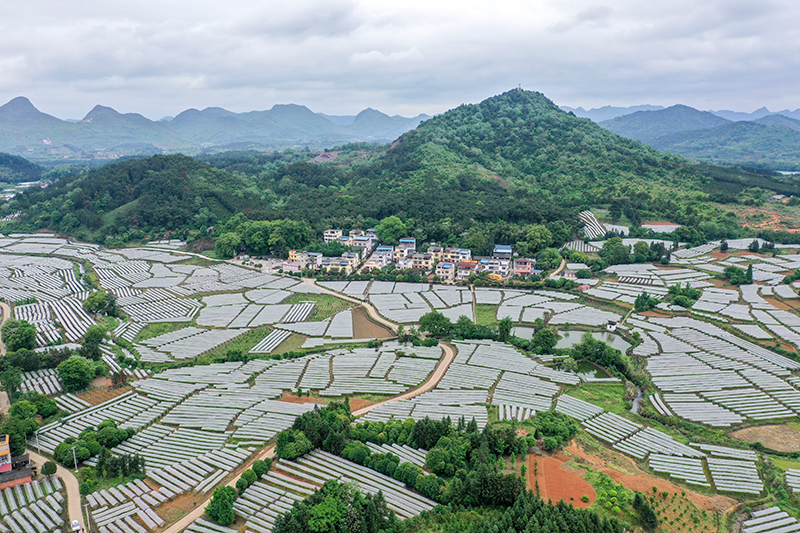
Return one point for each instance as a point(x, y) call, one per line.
point(49, 468)
point(645, 302)
point(723, 246)
point(76, 373)
point(436, 324)
point(220, 508)
point(504, 326)
point(23, 409)
point(391, 229)
point(100, 302)
point(18, 335)
point(615, 252)
point(92, 340)
point(748, 276)
point(11, 378)
point(754, 247)
point(545, 340)
point(537, 238)
point(228, 245)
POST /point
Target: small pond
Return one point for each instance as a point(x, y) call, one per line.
point(588, 371)
point(572, 337)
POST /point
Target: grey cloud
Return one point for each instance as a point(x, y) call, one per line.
point(339, 56)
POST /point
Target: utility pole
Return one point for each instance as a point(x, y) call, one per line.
point(75, 458)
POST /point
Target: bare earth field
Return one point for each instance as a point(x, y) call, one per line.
point(364, 328)
point(102, 392)
point(779, 438)
point(558, 481)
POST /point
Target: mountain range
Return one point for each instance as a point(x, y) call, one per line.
point(770, 140)
point(600, 114)
point(105, 133)
point(475, 175)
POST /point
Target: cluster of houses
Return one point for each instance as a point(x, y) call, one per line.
point(449, 264)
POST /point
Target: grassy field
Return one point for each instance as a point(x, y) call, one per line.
point(609, 396)
point(159, 328)
point(327, 305)
point(199, 261)
point(485, 313)
point(243, 342)
point(292, 344)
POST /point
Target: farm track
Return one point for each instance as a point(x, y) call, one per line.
point(6, 315)
point(433, 380)
point(370, 309)
point(70, 484)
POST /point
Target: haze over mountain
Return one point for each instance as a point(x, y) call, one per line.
point(771, 140)
point(105, 133)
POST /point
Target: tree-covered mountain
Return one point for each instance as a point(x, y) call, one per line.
point(15, 169)
point(750, 143)
point(477, 175)
point(137, 198)
point(607, 112)
point(647, 125)
point(104, 133)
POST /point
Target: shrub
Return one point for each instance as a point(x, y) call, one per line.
point(585, 498)
point(49, 468)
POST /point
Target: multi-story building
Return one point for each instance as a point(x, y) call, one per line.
point(383, 255)
point(362, 242)
point(437, 252)
point(422, 261)
point(331, 235)
point(503, 251)
point(465, 268)
point(495, 265)
point(454, 255)
point(356, 233)
point(5, 454)
point(446, 272)
point(408, 244)
point(523, 267)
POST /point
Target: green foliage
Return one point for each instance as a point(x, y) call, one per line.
point(75, 373)
point(220, 508)
point(15, 169)
point(338, 507)
point(18, 335)
point(92, 442)
point(683, 296)
point(228, 245)
point(645, 302)
point(100, 302)
point(327, 428)
point(737, 276)
point(391, 230)
point(558, 427)
point(262, 466)
point(548, 259)
point(791, 278)
point(615, 252)
point(604, 355)
point(647, 516)
point(49, 468)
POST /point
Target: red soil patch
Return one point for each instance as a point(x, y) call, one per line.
point(779, 304)
point(773, 221)
point(718, 283)
point(359, 403)
point(522, 432)
point(655, 314)
point(103, 393)
point(291, 397)
point(644, 482)
point(556, 482)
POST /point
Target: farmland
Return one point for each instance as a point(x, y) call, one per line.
point(211, 350)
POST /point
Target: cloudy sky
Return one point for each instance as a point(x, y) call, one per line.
point(159, 57)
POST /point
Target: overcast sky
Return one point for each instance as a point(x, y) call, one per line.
point(159, 57)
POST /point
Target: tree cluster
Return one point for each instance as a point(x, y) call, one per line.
point(91, 442)
point(339, 508)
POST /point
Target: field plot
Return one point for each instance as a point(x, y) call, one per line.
point(36, 507)
point(290, 481)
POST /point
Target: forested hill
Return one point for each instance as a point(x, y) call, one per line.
point(477, 175)
point(137, 198)
point(14, 169)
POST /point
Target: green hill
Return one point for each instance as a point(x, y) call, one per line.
point(476, 175)
point(14, 169)
point(647, 125)
point(136, 198)
point(776, 147)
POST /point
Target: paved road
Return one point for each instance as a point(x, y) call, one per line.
point(70, 483)
point(433, 380)
point(371, 310)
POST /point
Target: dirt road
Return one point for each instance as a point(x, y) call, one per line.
point(70, 483)
point(557, 271)
point(433, 380)
point(371, 310)
point(6, 315)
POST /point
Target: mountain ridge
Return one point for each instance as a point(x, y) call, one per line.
point(106, 133)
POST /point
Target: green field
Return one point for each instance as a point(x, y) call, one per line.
point(609, 396)
point(327, 305)
point(243, 342)
point(485, 313)
point(159, 328)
